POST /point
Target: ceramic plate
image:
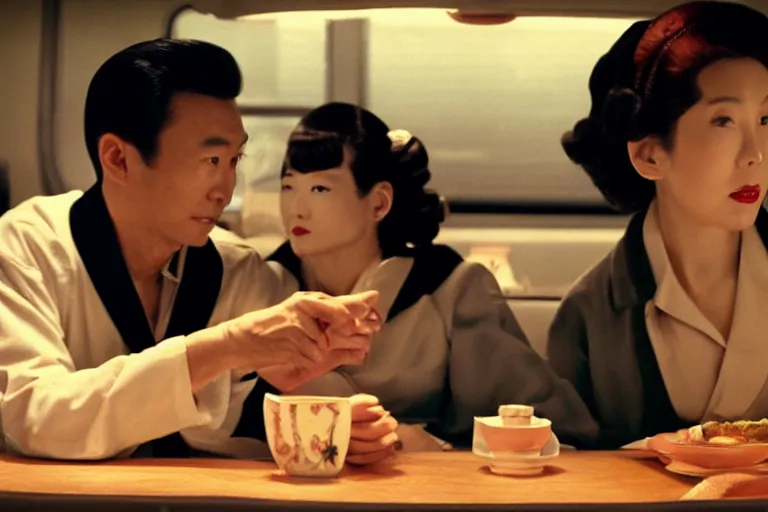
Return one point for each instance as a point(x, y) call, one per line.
point(716, 457)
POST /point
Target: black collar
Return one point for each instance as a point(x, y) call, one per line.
point(432, 264)
point(97, 243)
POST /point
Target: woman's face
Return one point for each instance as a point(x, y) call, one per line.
point(323, 211)
point(715, 172)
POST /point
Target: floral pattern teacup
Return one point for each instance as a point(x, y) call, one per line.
point(308, 435)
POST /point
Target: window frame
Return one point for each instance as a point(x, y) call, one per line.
point(353, 33)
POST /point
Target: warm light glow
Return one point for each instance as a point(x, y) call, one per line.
point(413, 15)
point(422, 17)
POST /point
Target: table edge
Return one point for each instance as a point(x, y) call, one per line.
point(82, 501)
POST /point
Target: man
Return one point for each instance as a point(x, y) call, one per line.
point(125, 330)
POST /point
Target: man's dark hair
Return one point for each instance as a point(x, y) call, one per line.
point(130, 95)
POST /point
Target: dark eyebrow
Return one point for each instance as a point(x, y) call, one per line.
point(220, 141)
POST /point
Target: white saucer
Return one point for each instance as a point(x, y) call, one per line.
point(511, 463)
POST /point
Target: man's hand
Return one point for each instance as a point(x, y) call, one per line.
point(373, 431)
point(305, 336)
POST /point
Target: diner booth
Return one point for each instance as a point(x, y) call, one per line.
point(490, 85)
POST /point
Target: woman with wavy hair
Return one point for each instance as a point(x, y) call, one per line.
point(670, 329)
point(359, 217)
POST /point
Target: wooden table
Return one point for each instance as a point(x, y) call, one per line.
point(415, 480)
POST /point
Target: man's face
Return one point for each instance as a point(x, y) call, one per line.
point(182, 193)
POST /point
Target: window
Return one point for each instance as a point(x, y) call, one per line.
point(489, 102)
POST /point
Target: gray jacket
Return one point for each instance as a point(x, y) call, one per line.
point(450, 349)
point(599, 341)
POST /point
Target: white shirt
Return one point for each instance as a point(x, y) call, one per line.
point(69, 386)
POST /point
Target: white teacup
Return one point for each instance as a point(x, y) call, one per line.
point(308, 435)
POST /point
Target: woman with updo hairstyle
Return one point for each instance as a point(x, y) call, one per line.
point(670, 330)
point(358, 217)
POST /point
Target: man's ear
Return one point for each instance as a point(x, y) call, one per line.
point(649, 158)
point(113, 155)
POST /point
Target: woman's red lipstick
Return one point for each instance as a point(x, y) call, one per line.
point(300, 231)
point(747, 194)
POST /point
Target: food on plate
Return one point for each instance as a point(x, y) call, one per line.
point(727, 433)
